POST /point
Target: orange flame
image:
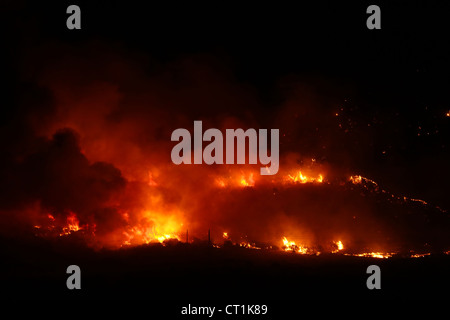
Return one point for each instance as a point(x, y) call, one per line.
point(339, 246)
point(292, 246)
point(153, 227)
point(302, 178)
point(73, 224)
point(378, 255)
point(249, 182)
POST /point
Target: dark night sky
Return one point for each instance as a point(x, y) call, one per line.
point(395, 79)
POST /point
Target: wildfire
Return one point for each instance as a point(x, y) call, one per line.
point(339, 246)
point(356, 179)
point(243, 243)
point(247, 182)
point(70, 225)
point(301, 178)
point(292, 246)
point(137, 235)
point(73, 224)
point(153, 228)
point(243, 180)
point(101, 155)
point(151, 182)
point(166, 237)
point(247, 179)
point(221, 183)
point(163, 223)
point(248, 245)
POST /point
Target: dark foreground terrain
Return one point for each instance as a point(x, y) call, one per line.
point(37, 270)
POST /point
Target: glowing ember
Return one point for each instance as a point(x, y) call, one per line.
point(153, 228)
point(72, 224)
point(420, 255)
point(166, 237)
point(220, 183)
point(248, 245)
point(246, 179)
point(356, 179)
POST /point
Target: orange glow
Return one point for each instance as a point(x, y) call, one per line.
point(153, 227)
point(292, 246)
point(247, 182)
point(248, 245)
point(155, 221)
point(420, 255)
point(356, 179)
point(378, 255)
point(220, 183)
point(339, 246)
point(302, 178)
point(72, 224)
point(151, 181)
point(120, 177)
point(233, 180)
point(249, 179)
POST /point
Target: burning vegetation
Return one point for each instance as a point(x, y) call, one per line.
point(151, 226)
point(94, 165)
